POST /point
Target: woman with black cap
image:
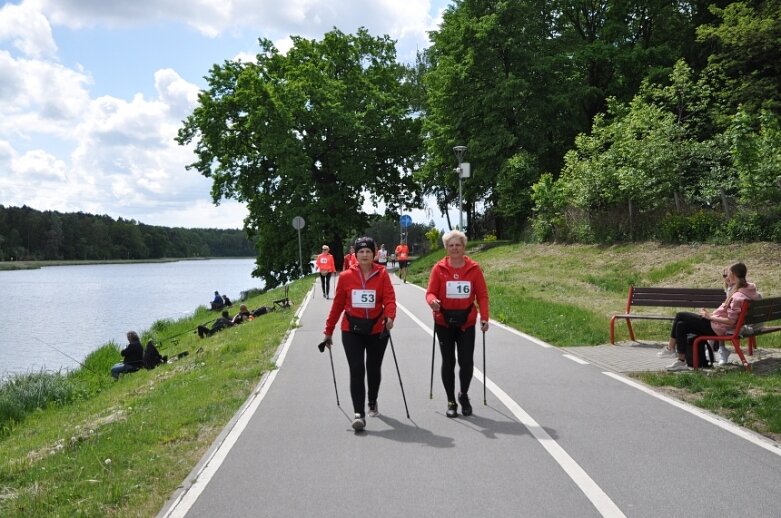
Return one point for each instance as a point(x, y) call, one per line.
point(365, 294)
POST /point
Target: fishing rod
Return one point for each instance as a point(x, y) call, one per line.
point(175, 342)
point(66, 354)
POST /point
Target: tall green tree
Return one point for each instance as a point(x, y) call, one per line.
point(309, 133)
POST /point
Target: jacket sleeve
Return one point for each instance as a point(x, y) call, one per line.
point(432, 292)
point(482, 295)
point(337, 306)
point(388, 297)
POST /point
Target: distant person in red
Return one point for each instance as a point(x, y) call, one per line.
point(326, 266)
point(402, 254)
point(365, 295)
point(455, 284)
point(350, 259)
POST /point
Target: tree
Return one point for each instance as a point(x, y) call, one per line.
point(310, 133)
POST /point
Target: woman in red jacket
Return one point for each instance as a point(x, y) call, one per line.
point(365, 294)
point(326, 266)
point(456, 282)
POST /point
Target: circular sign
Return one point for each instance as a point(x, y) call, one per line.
point(298, 223)
point(405, 221)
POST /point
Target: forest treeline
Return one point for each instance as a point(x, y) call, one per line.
point(583, 121)
point(32, 235)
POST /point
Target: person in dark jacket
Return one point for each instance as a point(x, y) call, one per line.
point(132, 356)
point(219, 324)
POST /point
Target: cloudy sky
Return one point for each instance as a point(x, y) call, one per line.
point(92, 93)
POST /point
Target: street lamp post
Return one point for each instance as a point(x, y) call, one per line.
point(463, 172)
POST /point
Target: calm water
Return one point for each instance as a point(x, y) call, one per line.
point(79, 308)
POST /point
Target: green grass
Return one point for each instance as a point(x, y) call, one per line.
point(121, 448)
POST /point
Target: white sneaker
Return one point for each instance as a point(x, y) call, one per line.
point(678, 365)
point(723, 355)
point(374, 410)
point(359, 423)
point(666, 353)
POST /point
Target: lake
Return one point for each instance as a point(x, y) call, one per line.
point(77, 309)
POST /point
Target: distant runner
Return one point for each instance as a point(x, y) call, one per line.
point(325, 264)
point(402, 254)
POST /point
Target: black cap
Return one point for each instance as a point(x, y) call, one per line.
point(365, 242)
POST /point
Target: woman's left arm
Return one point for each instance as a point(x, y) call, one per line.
point(388, 301)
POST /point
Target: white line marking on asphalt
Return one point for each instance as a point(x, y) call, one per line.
point(604, 505)
point(188, 497)
point(748, 435)
point(575, 359)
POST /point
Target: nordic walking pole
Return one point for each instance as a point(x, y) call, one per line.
point(485, 402)
point(433, 349)
point(322, 347)
point(393, 350)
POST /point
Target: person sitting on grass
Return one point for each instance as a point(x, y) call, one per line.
point(217, 302)
point(132, 356)
point(219, 324)
point(720, 322)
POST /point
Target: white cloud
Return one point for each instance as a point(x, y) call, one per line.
point(28, 30)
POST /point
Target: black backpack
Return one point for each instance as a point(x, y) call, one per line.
point(705, 356)
point(152, 357)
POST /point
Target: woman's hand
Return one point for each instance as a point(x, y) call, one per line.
point(388, 323)
point(484, 326)
point(704, 314)
point(435, 305)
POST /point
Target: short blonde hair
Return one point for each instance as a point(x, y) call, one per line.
point(454, 234)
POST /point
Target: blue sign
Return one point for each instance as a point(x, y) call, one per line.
point(405, 221)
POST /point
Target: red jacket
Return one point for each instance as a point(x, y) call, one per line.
point(325, 263)
point(370, 298)
point(349, 260)
point(467, 284)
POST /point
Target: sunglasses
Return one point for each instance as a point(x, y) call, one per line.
point(724, 275)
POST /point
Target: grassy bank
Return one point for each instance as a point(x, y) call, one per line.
point(93, 447)
point(105, 448)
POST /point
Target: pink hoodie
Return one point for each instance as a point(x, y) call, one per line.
point(731, 308)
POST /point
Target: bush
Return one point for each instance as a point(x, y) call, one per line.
point(700, 227)
point(24, 393)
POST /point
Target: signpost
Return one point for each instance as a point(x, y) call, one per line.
point(298, 224)
point(404, 221)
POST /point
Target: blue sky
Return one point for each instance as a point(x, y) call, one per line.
point(92, 94)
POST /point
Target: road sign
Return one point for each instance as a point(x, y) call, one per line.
point(298, 223)
point(405, 221)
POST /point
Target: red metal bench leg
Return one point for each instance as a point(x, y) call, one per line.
point(739, 351)
point(613, 330)
point(631, 331)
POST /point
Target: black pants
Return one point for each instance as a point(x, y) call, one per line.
point(325, 281)
point(686, 324)
point(356, 347)
point(452, 340)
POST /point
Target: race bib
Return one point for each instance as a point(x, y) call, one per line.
point(364, 299)
point(323, 260)
point(458, 289)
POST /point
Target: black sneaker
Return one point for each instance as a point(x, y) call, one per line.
point(452, 409)
point(466, 406)
point(359, 423)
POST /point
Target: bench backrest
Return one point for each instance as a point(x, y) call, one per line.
point(764, 310)
point(677, 297)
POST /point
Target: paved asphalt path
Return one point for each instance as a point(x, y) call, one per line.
point(559, 437)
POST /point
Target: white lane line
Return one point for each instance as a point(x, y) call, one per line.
point(729, 426)
point(576, 359)
point(187, 498)
point(604, 505)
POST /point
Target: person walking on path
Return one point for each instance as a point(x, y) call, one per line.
point(382, 256)
point(326, 266)
point(349, 259)
point(365, 295)
point(456, 282)
point(402, 255)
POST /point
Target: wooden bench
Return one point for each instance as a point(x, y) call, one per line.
point(752, 314)
point(665, 297)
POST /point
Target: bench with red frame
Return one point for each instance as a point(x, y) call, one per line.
point(665, 297)
point(752, 322)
